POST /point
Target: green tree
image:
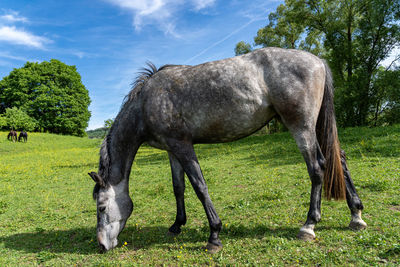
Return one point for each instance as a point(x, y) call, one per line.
point(358, 36)
point(242, 48)
point(386, 97)
point(3, 122)
point(50, 92)
point(354, 36)
point(17, 119)
point(107, 126)
point(108, 123)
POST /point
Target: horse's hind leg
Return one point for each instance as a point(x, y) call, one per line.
point(185, 154)
point(178, 182)
point(307, 142)
point(353, 201)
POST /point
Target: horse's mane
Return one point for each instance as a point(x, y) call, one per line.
point(143, 75)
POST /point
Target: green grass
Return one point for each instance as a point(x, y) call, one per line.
point(259, 186)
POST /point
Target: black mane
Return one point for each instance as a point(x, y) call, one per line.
point(143, 75)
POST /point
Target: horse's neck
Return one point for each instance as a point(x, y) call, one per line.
point(121, 146)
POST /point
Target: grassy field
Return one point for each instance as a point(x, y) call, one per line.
point(259, 186)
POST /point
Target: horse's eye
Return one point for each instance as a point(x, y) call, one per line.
point(102, 209)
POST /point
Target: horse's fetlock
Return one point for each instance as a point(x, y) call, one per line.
point(315, 216)
point(216, 226)
point(180, 220)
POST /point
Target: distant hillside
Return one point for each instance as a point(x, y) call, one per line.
point(97, 133)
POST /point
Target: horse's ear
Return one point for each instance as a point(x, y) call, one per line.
point(97, 179)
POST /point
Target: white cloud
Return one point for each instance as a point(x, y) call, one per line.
point(13, 17)
point(159, 12)
point(13, 35)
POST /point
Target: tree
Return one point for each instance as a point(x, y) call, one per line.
point(386, 97)
point(108, 123)
point(17, 119)
point(353, 36)
point(358, 36)
point(242, 48)
point(3, 122)
point(107, 126)
point(50, 92)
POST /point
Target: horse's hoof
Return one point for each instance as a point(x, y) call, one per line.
point(306, 234)
point(212, 248)
point(357, 225)
point(172, 234)
point(174, 230)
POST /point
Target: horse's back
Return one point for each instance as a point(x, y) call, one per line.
point(228, 99)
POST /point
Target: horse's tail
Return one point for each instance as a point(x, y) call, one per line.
point(334, 183)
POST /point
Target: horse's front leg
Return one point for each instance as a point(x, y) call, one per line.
point(178, 182)
point(185, 154)
point(353, 201)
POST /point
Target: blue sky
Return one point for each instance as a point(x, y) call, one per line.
point(110, 40)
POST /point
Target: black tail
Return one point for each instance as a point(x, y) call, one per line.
point(334, 183)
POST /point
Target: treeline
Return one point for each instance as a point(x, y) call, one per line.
point(97, 133)
point(102, 131)
point(45, 97)
point(354, 37)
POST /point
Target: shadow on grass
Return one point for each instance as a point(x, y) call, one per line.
point(83, 240)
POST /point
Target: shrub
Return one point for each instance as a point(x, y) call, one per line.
point(17, 119)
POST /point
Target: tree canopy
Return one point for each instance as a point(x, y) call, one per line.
point(51, 93)
point(354, 37)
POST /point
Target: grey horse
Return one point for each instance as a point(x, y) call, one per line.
point(176, 106)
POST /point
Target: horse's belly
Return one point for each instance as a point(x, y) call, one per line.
point(230, 122)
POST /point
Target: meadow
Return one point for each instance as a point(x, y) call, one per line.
point(259, 186)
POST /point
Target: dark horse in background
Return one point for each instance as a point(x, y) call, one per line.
point(24, 136)
point(12, 136)
point(174, 107)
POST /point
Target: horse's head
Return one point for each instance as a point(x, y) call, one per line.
point(114, 206)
